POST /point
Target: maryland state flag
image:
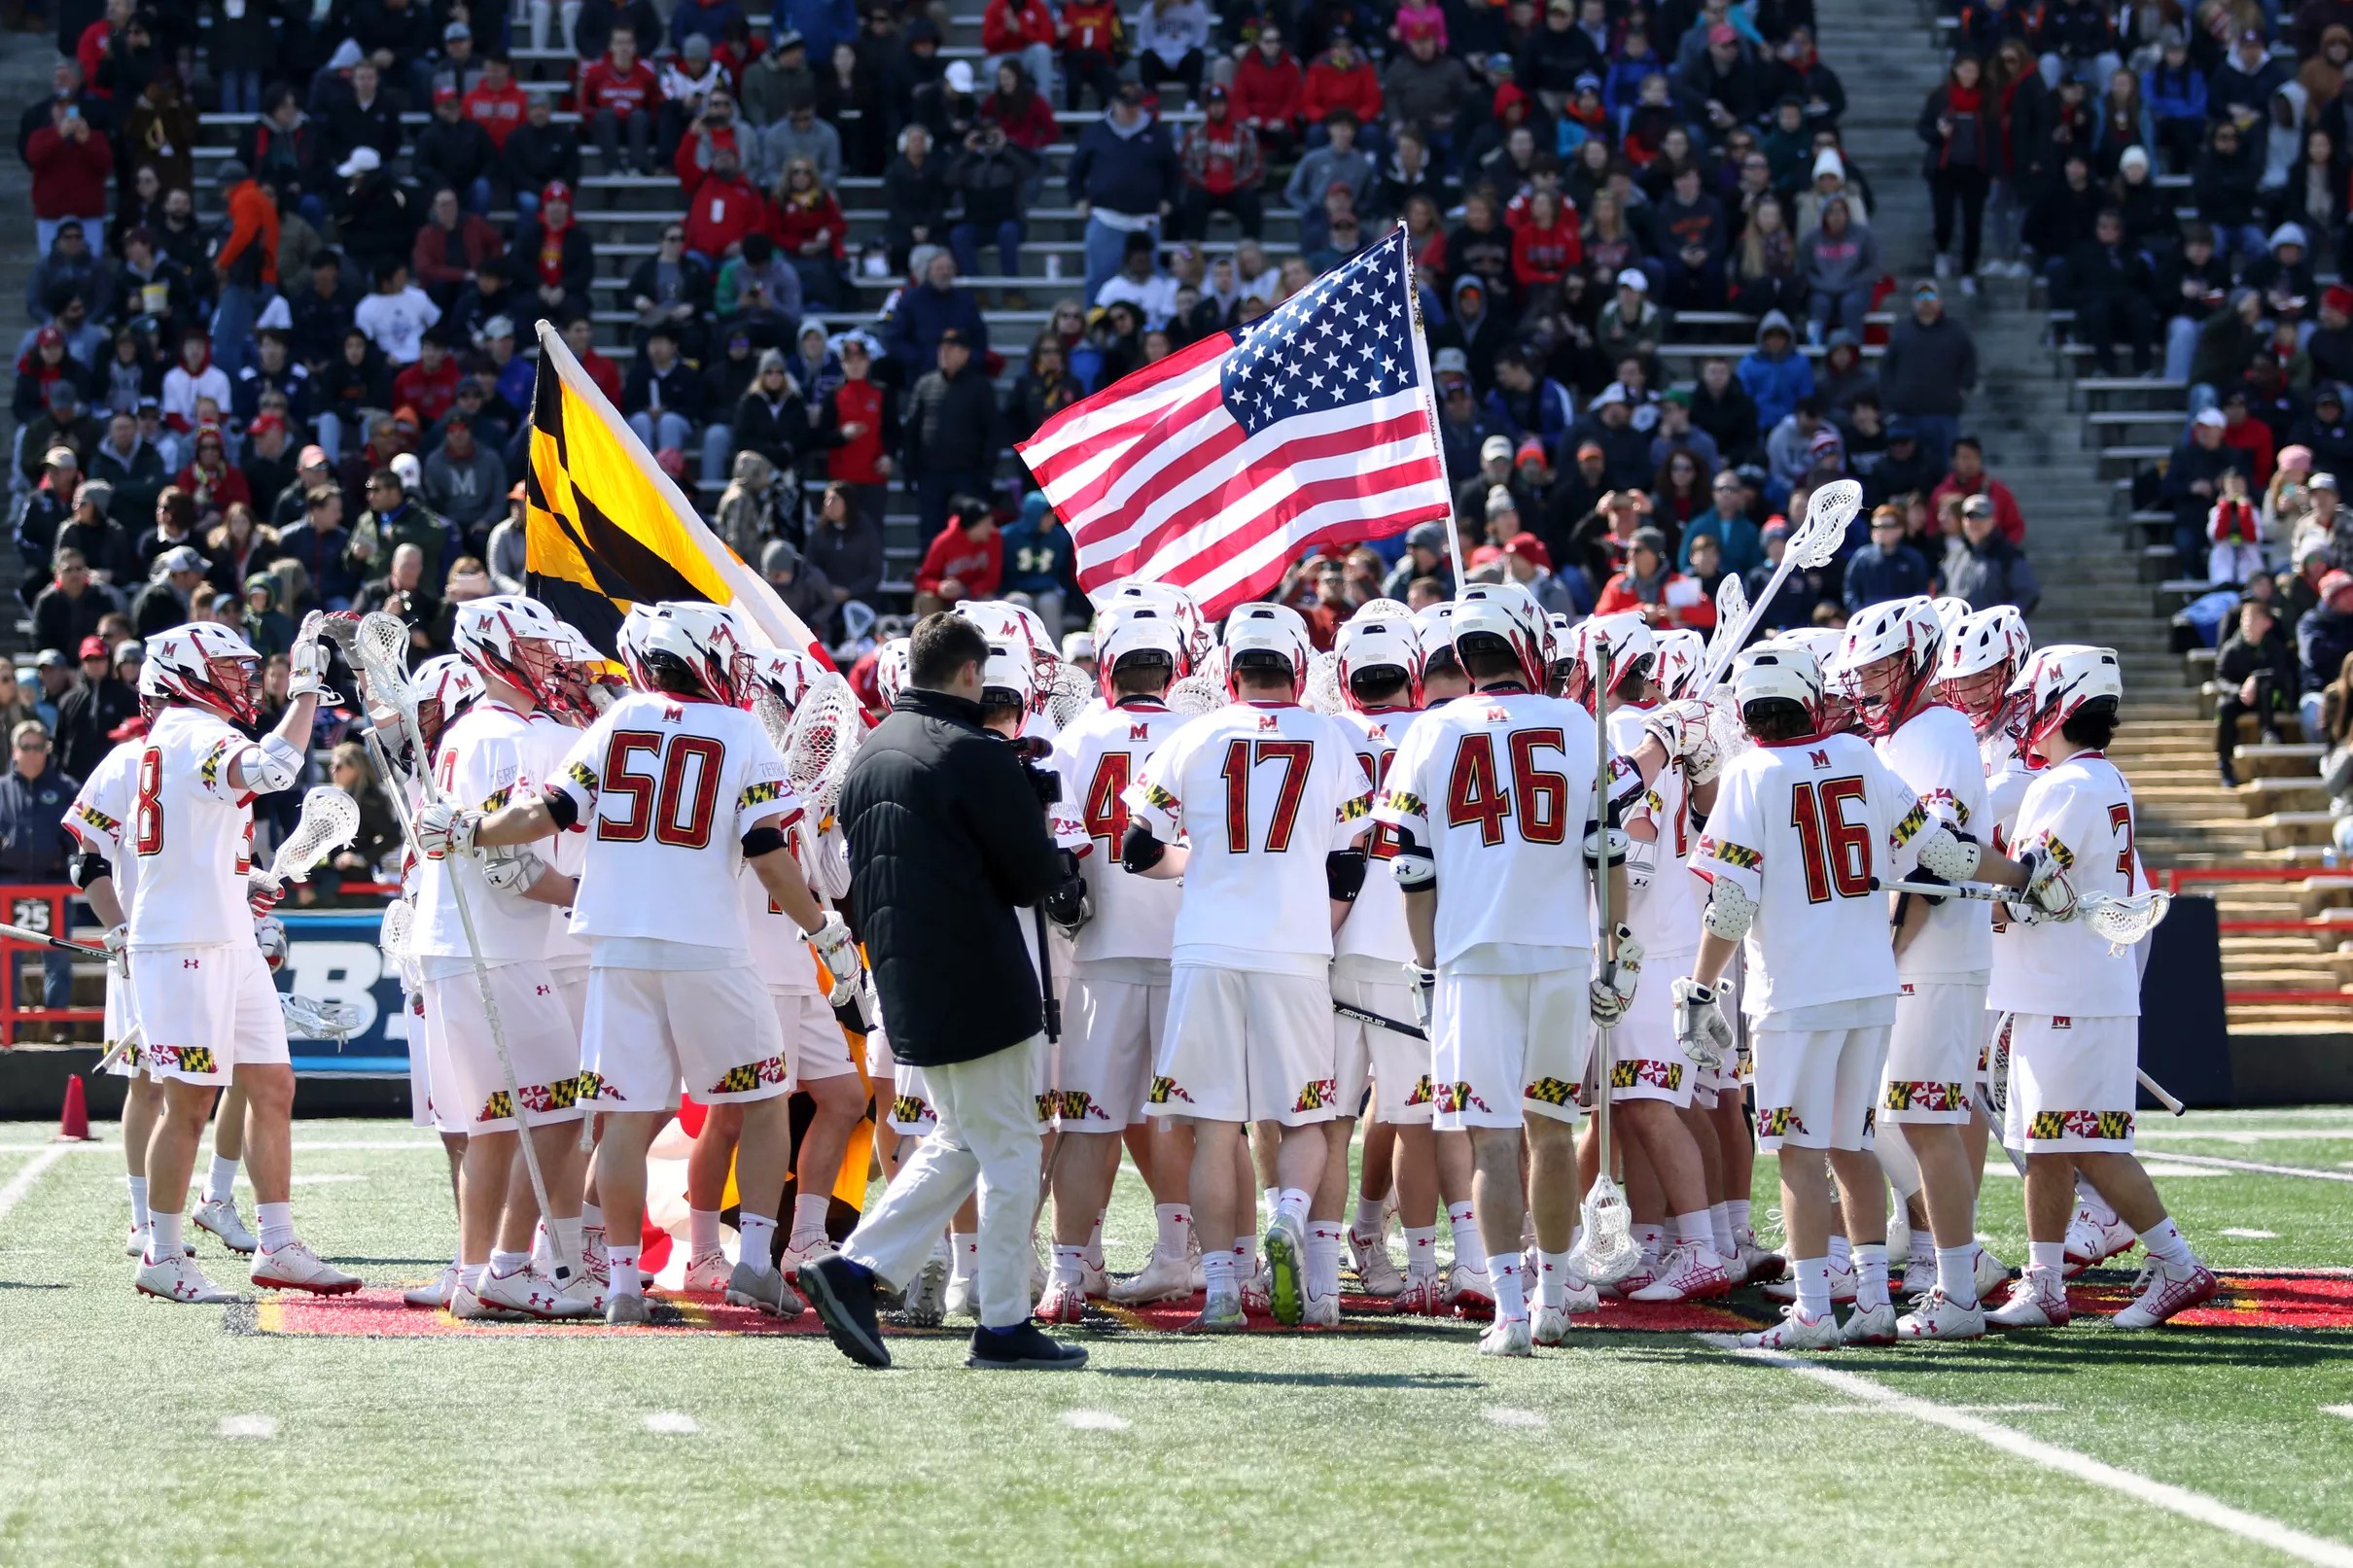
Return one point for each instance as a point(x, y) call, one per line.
point(605, 529)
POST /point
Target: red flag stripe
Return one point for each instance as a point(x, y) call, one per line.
point(1220, 568)
point(1139, 472)
point(1085, 422)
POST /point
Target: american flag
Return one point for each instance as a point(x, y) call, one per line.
point(1217, 466)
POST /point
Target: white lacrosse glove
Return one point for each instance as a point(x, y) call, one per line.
point(1613, 992)
point(1679, 725)
point(262, 891)
point(442, 827)
point(1426, 997)
point(118, 949)
point(270, 934)
point(2048, 888)
point(839, 949)
point(1701, 1027)
point(306, 662)
point(511, 869)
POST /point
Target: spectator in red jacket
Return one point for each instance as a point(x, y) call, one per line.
point(1546, 245)
point(579, 334)
point(808, 228)
point(71, 164)
point(1268, 90)
point(1022, 108)
point(1223, 169)
point(620, 94)
point(431, 385)
point(1343, 78)
point(725, 207)
point(246, 265)
point(1094, 41)
point(1650, 584)
point(495, 103)
point(965, 560)
point(1970, 478)
point(1021, 30)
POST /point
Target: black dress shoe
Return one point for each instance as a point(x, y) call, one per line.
point(842, 1293)
point(1025, 1348)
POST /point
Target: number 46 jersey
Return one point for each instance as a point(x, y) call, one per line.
point(1098, 758)
point(1804, 828)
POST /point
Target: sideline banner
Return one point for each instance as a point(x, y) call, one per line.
point(331, 957)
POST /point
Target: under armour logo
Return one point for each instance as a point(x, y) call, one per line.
point(192, 963)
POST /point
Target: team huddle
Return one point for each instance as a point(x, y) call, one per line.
point(1468, 878)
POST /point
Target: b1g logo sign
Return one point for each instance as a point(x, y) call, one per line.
point(332, 957)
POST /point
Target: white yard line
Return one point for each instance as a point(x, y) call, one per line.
point(31, 1172)
point(2193, 1132)
point(302, 1145)
point(2216, 1162)
point(2180, 1500)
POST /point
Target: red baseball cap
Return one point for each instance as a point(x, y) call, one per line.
point(555, 191)
point(94, 648)
point(1529, 548)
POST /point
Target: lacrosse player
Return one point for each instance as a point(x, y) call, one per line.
point(203, 997)
point(489, 756)
point(1802, 821)
point(2071, 1086)
point(1488, 816)
point(674, 786)
point(1275, 806)
point(1119, 972)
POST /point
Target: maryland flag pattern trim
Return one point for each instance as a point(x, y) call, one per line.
point(2105, 1126)
point(744, 1077)
point(1916, 1095)
point(1166, 1090)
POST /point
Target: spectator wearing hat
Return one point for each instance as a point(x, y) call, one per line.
point(952, 431)
point(798, 583)
point(2174, 91)
point(1341, 77)
point(1887, 568)
point(73, 603)
point(466, 482)
point(964, 560)
point(1425, 556)
point(1983, 567)
point(2327, 429)
point(101, 542)
point(34, 847)
point(50, 506)
point(2324, 639)
point(1041, 562)
point(1608, 423)
point(1722, 87)
point(662, 396)
point(320, 543)
point(455, 151)
point(2329, 343)
point(1928, 370)
point(1338, 161)
point(1530, 565)
point(1476, 329)
point(617, 96)
point(133, 466)
point(540, 153)
point(991, 174)
point(1462, 428)
point(1124, 176)
point(1794, 605)
point(395, 517)
point(1651, 586)
point(1223, 169)
point(560, 259)
point(91, 710)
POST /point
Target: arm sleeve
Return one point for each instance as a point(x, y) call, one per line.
point(1733, 847)
point(1907, 817)
point(580, 780)
point(765, 798)
point(1152, 800)
point(1400, 804)
point(1353, 817)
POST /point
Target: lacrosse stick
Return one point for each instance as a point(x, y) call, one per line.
point(383, 667)
point(1323, 692)
point(1732, 613)
point(330, 820)
point(113, 1053)
point(1828, 511)
point(317, 1020)
point(1067, 697)
point(2123, 920)
point(23, 933)
point(818, 741)
point(1193, 696)
point(1379, 1020)
point(1607, 1252)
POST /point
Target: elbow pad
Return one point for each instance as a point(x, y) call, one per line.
point(562, 810)
point(1344, 874)
point(1950, 855)
point(1139, 851)
point(279, 766)
point(1409, 863)
point(765, 839)
point(1729, 911)
point(89, 866)
point(1605, 849)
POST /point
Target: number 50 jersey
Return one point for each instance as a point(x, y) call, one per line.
point(1099, 758)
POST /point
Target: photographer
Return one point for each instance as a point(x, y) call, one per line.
point(948, 844)
point(991, 173)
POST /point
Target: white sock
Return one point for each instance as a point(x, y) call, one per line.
point(1244, 1253)
point(1719, 1230)
point(626, 1280)
point(1511, 1291)
point(1175, 1224)
point(1218, 1274)
point(592, 1221)
point(140, 1218)
point(1956, 1273)
point(1814, 1288)
point(809, 1213)
point(963, 1255)
point(757, 1240)
point(2051, 1255)
point(2165, 1244)
point(1069, 1262)
point(2088, 1195)
point(277, 1224)
point(702, 1232)
point(564, 1244)
point(163, 1239)
point(1323, 1239)
point(506, 1263)
point(1694, 1230)
point(1842, 1254)
point(1368, 1224)
point(1421, 1250)
point(1293, 1202)
point(221, 1186)
point(1093, 1250)
point(1871, 1275)
point(1651, 1237)
point(1551, 1279)
point(1923, 1252)
point(1470, 1250)
point(470, 1274)
point(1738, 1208)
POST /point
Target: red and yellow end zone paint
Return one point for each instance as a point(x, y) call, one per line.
point(2248, 1301)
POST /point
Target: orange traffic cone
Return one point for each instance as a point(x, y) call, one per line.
point(73, 1126)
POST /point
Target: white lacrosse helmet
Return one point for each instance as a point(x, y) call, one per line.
point(1510, 612)
point(1174, 602)
point(1951, 611)
point(1780, 670)
point(783, 674)
point(708, 644)
point(1559, 628)
point(891, 669)
point(629, 642)
point(1981, 657)
point(1267, 629)
point(1138, 630)
point(448, 683)
point(515, 640)
point(1681, 653)
point(1009, 674)
point(1000, 621)
point(1379, 643)
point(1382, 608)
point(2060, 682)
point(1629, 639)
point(208, 665)
point(1888, 658)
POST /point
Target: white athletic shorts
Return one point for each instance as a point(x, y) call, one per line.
point(1113, 1028)
point(1245, 1045)
point(1646, 1059)
point(1399, 1063)
point(2072, 1088)
point(209, 1010)
point(122, 1017)
point(572, 984)
point(1988, 1022)
point(1932, 1052)
point(648, 1029)
point(1508, 1047)
point(1815, 1088)
point(468, 1086)
point(814, 1043)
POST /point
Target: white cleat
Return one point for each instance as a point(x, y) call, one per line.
point(1093, 1279)
point(1643, 1277)
point(531, 1293)
point(1580, 1296)
point(1688, 1273)
point(1992, 1273)
point(177, 1280)
point(295, 1266)
point(1161, 1279)
point(1841, 1287)
point(219, 1217)
point(1797, 1332)
point(1422, 1296)
point(1196, 1278)
point(1257, 1295)
point(963, 1300)
point(134, 1244)
point(2091, 1242)
point(2038, 1301)
point(1758, 1263)
point(627, 1311)
point(1468, 1292)
point(1507, 1337)
point(1321, 1313)
point(790, 1264)
point(588, 1290)
point(2169, 1290)
point(1376, 1273)
point(432, 1298)
point(1552, 1325)
point(1920, 1278)
point(766, 1290)
point(1037, 1272)
point(707, 1275)
point(466, 1307)
point(1937, 1317)
point(926, 1303)
point(1870, 1325)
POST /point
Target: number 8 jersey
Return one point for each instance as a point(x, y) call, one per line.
point(1803, 827)
point(665, 788)
point(192, 832)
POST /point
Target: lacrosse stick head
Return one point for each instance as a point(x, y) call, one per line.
point(392, 937)
point(1607, 1251)
point(1828, 511)
point(827, 729)
point(317, 1020)
point(1195, 694)
point(329, 818)
point(379, 651)
point(1324, 694)
point(2129, 920)
point(1067, 697)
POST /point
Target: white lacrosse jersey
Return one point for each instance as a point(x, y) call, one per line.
point(2081, 812)
point(490, 758)
point(1500, 787)
point(192, 832)
point(665, 789)
point(1664, 910)
point(98, 815)
point(1262, 794)
point(1099, 758)
point(1935, 753)
point(2007, 776)
point(1804, 828)
point(780, 950)
point(1374, 928)
point(568, 853)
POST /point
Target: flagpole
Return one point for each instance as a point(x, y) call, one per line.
point(1429, 399)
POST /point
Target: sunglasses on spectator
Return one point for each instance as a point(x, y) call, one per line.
point(674, 239)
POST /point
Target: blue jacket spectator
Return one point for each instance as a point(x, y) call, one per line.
point(1039, 558)
point(1884, 569)
point(927, 309)
point(1129, 171)
point(1735, 533)
point(1524, 401)
point(821, 23)
point(1775, 375)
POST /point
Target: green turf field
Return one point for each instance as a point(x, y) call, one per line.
point(141, 1432)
